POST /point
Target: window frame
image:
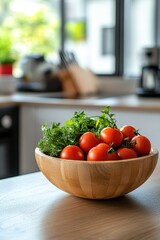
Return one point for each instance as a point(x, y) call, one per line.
point(119, 38)
point(119, 31)
point(157, 23)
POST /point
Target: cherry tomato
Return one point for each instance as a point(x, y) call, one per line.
point(126, 153)
point(87, 141)
point(72, 152)
point(128, 131)
point(104, 145)
point(102, 152)
point(111, 136)
point(141, 145)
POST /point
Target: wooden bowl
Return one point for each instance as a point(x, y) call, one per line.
point(97, 180)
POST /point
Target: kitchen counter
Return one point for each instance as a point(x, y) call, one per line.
point(37, 109)
point(125, 102)
point(32, 208)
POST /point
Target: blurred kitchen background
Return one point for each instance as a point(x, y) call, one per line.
point(83, 48)
point(109, 37)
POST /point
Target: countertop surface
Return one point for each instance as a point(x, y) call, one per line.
point(125, 102)
point(31, 208)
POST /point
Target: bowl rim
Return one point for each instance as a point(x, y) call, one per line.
point(153, 152)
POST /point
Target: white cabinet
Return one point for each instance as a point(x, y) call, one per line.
point(32, 119)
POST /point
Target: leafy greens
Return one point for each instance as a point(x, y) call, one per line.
point(56, 137)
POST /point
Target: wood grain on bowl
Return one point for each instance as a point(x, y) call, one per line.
point(97, 180)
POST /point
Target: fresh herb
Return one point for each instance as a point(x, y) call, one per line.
point(56, 137)
point(106, 119)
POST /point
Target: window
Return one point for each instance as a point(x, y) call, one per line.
point(106, 36)
point(33, 26)
point(93, 36)
point(116, 33)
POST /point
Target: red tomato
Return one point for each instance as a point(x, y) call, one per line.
point(103, 145)
point(72, 152)
point(87, 141)
point(141, 145)
point(126, 153)
point(128, 131)
point(111, 136)
point(102, 152)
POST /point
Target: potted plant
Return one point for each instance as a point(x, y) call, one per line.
point(7, 54)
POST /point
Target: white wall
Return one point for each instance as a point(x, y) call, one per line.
point(117, 85)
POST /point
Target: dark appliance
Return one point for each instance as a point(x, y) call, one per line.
point(38, 75)
point(149, 84)
point(9, 131)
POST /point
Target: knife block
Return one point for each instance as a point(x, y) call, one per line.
point(68, 84)
point(85, 81)
point(78, 80)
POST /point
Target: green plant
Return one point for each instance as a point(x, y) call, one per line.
point(7, 53)
point(28, 32)
point(45, 38)
point(76, 31)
